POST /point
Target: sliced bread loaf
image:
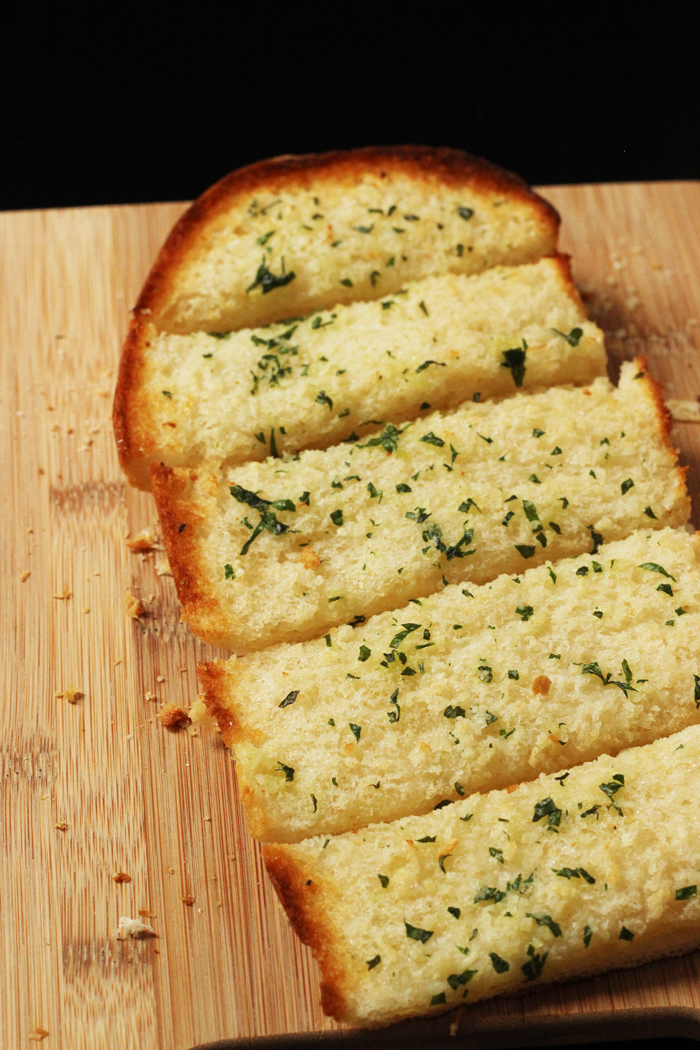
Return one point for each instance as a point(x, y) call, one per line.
point(438, 341)
point(469, 690)
point(283, 550)
point(563, 876)
point(295, 234)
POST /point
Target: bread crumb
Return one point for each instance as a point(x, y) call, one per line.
point(63, 597)
point(171, 871)
point(142, 541)
point(148, 695)
point(163, 567)
point(146, 913)
point(121, 876)
point(133, 928)
point(684, 411)
point(134, 608)
point(72, 694)
point(160, 678)
point(541, 684)
point(189, 901)
point(309, 558)
point(172, 715)
point(61, 825)
point(38, 1034)
point(199, 714)
point(25, 575)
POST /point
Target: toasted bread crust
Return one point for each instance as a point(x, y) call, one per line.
point(131, 437)
point(447, 167)
point(182, 549)
point(295, 887)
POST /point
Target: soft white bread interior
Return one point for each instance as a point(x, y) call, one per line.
point(312, 382)
point(285, 549)
point(567, 875)
point(469, 690)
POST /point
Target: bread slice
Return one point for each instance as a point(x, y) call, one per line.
point(438, 341)
point(464, 496)
point(292, 235)
point(564, 876)
point(469, 690)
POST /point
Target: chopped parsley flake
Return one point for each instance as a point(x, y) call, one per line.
point(515, 360)
point(684, 894)
point(416, 934)
point(574, 336)
point(290, 698)
point(653, 567)
point(500, 965)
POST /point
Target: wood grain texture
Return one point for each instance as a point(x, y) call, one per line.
point(162, 805)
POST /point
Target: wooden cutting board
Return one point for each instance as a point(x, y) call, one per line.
point(97, 787)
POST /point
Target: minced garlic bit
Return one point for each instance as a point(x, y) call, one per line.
point(172, 715)
point(133, 928)
point(71, 693)
point(142, 541)
point(134, 608)
point(309, 558)
point(121, 876)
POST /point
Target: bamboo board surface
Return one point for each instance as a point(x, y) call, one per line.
point(161, 806)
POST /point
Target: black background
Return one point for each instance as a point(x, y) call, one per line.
point(111, 107)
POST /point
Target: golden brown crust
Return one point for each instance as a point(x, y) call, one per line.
point(299, 894)
point(213, 679)
point(563, 262)
point(179, 519)
point(664, 422)
point(447, 167)
point(126, 414)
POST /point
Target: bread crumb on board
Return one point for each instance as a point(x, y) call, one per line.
point(163, 567)
point(61, 825)
point(134, 608)
point(121, 876)
point(142, 541)
point(684, 411)
point(38, 1035)
point(133, 928)
point(172, 715)
point(188, 900)
point(25, 575)
point(71, 693)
